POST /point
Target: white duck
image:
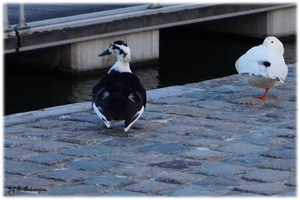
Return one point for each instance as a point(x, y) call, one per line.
point(119, 95)
point(263, 66)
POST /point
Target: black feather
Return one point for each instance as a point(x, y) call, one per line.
point(266, 63)
point(117, 105)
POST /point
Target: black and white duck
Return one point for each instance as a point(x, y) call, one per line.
point(119, 96)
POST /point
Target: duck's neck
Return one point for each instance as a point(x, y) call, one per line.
point(120, 66)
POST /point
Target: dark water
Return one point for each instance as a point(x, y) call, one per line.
point(43, 11)
point(185, 57)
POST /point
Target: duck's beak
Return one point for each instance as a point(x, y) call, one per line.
point(105, 53)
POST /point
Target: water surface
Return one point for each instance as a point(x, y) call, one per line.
point(186, 56)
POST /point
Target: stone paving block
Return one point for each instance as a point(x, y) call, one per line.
point(227, 116)
point(210, 143)
point(288, 193)
point(32, 182)
point(218, 182)
point(242, 148)
point(222, 170)
point(154, 115)
point(283, 153)
point(93, 165)
point(173, 100)
point(204, 154)
point(83, 139)
point(195, 191)
point(161, 108)
point(88, 150)
point(238, 194)
point(290, 125)
point(66, 175)
point(179, 129)
point(13, 120)
point(190, 111)
point(16, 142)
point(17, 153)
point(292, 182)
point(226, 89)
point(150, 187)
point(138, 171)
point(167, 148)
point(9, 130)
point(80, 141)
point(41, 133)
point(170, 91)
point(176, 177)
point(80, 126)
point(47, 124)
point(131, 157)
point(287, 134)
point(176, 164)
point(23, 168)
point(212, 104)
point(285, 165)
point(287, 105)
point(217, 135)
point(49, 146)
point(48, 159)
point(267, 175)
point(261, 188)
point(245, 160)
point(81, 117)
point(263, 141)
point(109, 181)
point(77, 190)
point(125, 142)
point(126, 193)
point(290, 145)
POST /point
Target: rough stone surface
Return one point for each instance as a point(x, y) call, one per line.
point(222, 170)
point(92, 165)
point(261, 188)
point(164, 148)
point(176, 177)
point(205, 139)
point(205, 154)
point(69, 175)
point(285, 165)
point(109, 181)
point(49, 159)
point(150, 187)
point(49, 146)
point(242, 148)
point(87, 150)
point(267, 175)
point(77, 190)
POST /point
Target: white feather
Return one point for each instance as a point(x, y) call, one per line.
point(101, 116)
point(139, 114)
point(251, 63)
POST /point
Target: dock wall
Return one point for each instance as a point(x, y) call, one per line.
point(143, 36)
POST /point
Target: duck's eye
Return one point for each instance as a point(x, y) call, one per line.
point(272, 42)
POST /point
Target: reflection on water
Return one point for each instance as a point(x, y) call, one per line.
point(188, 56)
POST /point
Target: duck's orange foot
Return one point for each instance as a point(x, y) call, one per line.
point(261, 97)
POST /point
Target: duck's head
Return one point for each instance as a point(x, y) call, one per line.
point(274, 44)
point(119, 49)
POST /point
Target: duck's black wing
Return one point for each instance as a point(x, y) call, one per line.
point(119, 96)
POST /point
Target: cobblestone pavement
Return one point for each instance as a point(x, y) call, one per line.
point(203, 139)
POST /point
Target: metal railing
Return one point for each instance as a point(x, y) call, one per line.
point(21, 23)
